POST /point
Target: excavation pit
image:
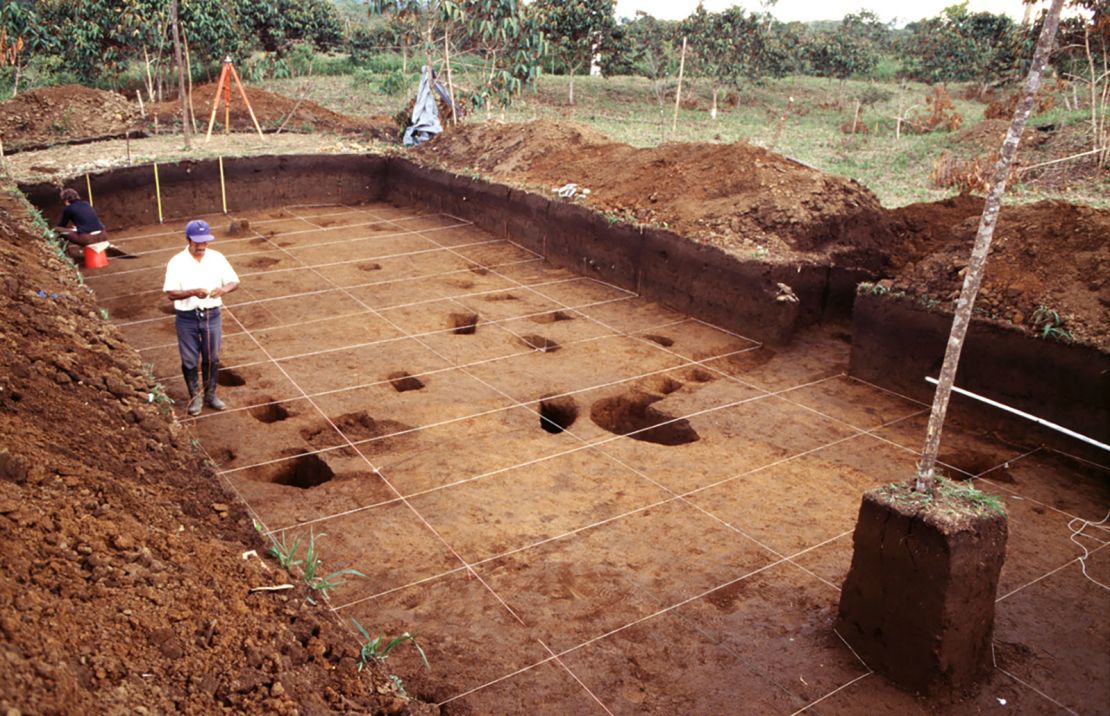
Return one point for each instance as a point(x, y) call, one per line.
point(304, 473)
point(632, 414)
point(704, 460)
point(463, 324)
point(270, 413)
point(558, 414)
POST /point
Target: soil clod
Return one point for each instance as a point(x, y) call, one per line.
point(403, 382)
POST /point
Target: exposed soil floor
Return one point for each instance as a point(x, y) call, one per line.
point(581, 501)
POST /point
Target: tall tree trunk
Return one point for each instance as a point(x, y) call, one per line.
point(713, 109)
point(926, 479)
point(186, 120)
point(571, 97)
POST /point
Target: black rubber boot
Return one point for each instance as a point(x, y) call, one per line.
point(211, 382)
point(195, 396)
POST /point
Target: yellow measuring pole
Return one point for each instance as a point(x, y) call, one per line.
point(88, 185)
point(158, 193)
point(223, 187)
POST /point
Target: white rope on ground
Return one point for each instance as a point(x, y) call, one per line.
point(1075, 532)
point(511, 406)
point(354, 240)
point(811, 704)
point(1105, 468)
point(574, 676)
point(267, 252)
point(404, 500)
point(391, 307)
point(373, 468)
point(236, 217)
point(396, 339)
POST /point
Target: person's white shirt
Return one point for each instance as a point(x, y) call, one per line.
point(184, 273)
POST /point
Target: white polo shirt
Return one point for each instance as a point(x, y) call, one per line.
point(184, 273)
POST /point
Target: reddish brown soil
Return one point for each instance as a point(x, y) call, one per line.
point(72, 113)
point(736, 196)
point(759, 204)
point(53, 115)
point(273, 110)
point(121, 577)
point(1046, 254)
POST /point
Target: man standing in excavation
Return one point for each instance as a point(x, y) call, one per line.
point(196, 279)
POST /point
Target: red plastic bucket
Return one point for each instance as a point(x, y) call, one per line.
point(94, 258)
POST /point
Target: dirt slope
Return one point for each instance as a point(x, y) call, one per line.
point(121, 581)
point(736, 196)
point(1049, 254)
point(51, 115)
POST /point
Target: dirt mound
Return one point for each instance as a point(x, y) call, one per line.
point(121, 577)
point(513, 149)
point(736, 196)
point(53, 115)
point(1048, 260)
point(272, 110)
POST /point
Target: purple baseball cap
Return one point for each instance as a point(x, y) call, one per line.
point(198, 232)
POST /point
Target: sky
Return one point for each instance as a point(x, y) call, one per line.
point(804, 10)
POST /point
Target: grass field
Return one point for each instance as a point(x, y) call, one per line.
point(897, 169)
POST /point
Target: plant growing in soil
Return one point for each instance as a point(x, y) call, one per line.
point(312, 565)
point(951, 498)
point(1050, 325)
point(285, 554)
point(377, 649)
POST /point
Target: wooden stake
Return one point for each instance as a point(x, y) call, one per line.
point(158, 193)
point(678, 91)
point(243, 93)
point(189, 78)
point(447, 66)
point(149, 79)
point(223, 185)
point(127, 139)
point(855, 118)
point(216, 99)
point(88, 188)
point(142, 109)
point(779, 125)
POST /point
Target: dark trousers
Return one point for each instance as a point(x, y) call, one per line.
point(198, 341)
point(75, 249)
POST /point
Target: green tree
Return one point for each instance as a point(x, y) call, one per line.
point(575, 30)
point(733, 47)
point(277, 25)
point(959, 46)
point(643, 46)
point(853, 48)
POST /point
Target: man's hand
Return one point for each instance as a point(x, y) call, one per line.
point(200, 293)
point(215, 293)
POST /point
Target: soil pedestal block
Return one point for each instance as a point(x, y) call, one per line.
point(918, 602)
